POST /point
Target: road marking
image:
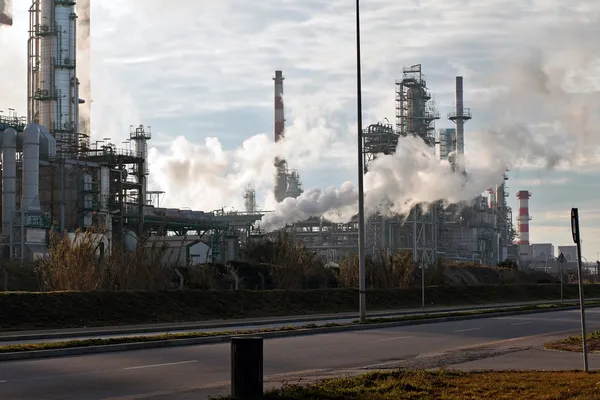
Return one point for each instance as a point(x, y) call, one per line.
point(3, 381)
point(467, 330)
point(162, 365)
point(382, 364)
point(395, 338)
point(521, 323)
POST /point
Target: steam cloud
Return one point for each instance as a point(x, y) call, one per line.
point(413, 175)
point(84, 63)
point(547, 115)
point(6, 12)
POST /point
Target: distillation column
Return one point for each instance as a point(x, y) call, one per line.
point(140, 136)
point(52, 82)
point(280, 186)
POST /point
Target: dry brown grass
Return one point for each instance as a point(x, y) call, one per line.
point(78, 265)
point(450, 385)
point(292, 266)
point(384, 271)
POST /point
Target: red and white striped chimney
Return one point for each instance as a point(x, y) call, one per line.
point(523, 218)
point(279, 116)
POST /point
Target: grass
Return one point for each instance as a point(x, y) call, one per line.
point(449, 385)
point(61, 310)
point(573, 343)
point(191, 335)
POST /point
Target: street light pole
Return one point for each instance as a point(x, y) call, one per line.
point(361, 197)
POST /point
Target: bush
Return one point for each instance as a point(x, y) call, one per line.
point(385, 270)
point(79, 265)
point(290, 265)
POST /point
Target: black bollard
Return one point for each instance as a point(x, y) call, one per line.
point(246, 368)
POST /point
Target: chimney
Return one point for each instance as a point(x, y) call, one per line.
point(460, 116)
point(280, 185)
point(523, 218)
point(279, 115)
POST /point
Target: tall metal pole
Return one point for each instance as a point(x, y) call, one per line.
point(577, 240)
point(361, 197)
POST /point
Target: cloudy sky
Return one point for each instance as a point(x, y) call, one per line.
point(199, 72)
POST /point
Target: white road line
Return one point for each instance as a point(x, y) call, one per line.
point(395, 338)
point(382, 364)
point(162, 365)
point(467, 330)
point(521, 323)
point(3, 381)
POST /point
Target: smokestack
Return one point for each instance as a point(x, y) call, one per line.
point(279, 115)
point(280, 185)
point(9, 178)
point(460, 116)
point(523, 218)
point(6, 12)
point(30, 200)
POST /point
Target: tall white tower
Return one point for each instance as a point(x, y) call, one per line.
point(53, 88)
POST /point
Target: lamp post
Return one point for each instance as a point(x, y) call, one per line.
point(361, 197)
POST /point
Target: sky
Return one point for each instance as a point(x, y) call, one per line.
point(200, 74)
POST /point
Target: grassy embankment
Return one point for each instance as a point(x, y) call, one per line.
point(573, 343)
point(53, 310)
point(449, 385)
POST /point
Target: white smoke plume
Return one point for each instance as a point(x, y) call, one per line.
point(6, 12)
point(567, 135)
point(84, 66)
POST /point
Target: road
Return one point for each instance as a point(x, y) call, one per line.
point(171, 370)
point(24, 337)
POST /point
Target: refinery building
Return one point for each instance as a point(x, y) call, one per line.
point(55, 178)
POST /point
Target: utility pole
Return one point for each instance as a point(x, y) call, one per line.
point(361, 197)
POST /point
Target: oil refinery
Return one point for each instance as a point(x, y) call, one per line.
point(55, 179)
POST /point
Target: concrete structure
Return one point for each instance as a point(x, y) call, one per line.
point(570, 252)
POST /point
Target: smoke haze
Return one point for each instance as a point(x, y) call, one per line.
point(6, 12)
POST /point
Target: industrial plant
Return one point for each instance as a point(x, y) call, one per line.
point(54, 179)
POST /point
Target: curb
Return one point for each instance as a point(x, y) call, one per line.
point(111, 348)
point(191, 327)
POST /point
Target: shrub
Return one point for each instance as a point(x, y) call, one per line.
point(291, 265)
point(79, 265)
point(384, 270)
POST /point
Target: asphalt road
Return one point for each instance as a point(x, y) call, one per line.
point(169, 370)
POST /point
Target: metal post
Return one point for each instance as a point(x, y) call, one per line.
point(246, 368)
point(422, 285)
point(361, 199)
point(577, 240)
point(562, 297)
